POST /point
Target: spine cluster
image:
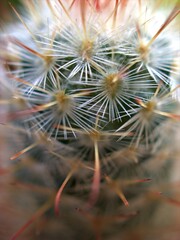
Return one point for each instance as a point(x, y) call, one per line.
point(91, 93)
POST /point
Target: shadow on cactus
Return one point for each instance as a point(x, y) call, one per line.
point(90, 112)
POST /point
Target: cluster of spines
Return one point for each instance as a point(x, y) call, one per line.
point(116, 93)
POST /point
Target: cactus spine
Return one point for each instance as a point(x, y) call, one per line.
point(90, 95)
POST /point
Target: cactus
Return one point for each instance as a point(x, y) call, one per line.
point(90, 120)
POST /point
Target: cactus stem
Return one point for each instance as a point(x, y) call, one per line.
point(89, 91)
